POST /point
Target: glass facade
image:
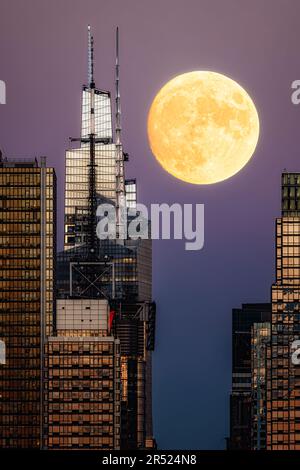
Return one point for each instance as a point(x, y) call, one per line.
point(283, 391)
point(27, 248)
point(130, 189)
point(103, 114)
point(113, 273)
point(275, 379)
point(96, 121)
point(260, 341)
point(77, 188)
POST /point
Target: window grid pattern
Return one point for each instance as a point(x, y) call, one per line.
point(283, 385)
point(103, 115)
point(130, 186)
point(77, 188)
point(20, 298)
point(83, 393)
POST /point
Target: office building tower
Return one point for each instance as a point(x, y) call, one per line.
point(117, 269)
point(83, 378)
point(283, 375)
point(27, 278)
point(243, 320)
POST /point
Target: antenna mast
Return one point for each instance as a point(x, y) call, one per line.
point(91, 83)
point(120, 205)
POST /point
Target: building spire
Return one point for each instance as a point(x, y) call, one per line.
point(121, 202)
point(91, 82)
point(92, 141)
point(118, 104)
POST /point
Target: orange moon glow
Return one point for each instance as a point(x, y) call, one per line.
point(203, 127)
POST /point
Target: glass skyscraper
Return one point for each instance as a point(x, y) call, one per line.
point(283, 391)
point(27, 279)
point(273, 416)
point(116, 270)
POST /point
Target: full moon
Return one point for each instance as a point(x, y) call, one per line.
point(203, 127)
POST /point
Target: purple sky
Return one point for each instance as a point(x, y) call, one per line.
point(43, 61)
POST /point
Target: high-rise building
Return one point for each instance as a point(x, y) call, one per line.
point(283, 376)
point(241, 403)
point(83, 378)
point(27, 253)
point(118, 270)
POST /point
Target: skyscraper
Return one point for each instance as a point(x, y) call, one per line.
point(275, 371)
point(283, 379)
point(27, 253)
point(241, 398)
point(116, 270)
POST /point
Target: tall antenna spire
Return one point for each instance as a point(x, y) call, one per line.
point(91, 83)
point(118, 105)
point(121, 202)
point(92, 165)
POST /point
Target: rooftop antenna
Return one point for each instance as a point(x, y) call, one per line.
point(120, 206)
point(91, 82)
point(118, 104)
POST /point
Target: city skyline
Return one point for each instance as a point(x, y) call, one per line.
point(48, 48)
point(78, 326)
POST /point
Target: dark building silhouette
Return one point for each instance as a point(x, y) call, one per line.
point(260, 343)
point(241, 399)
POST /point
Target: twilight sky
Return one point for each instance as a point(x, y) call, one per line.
point(43, 62)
